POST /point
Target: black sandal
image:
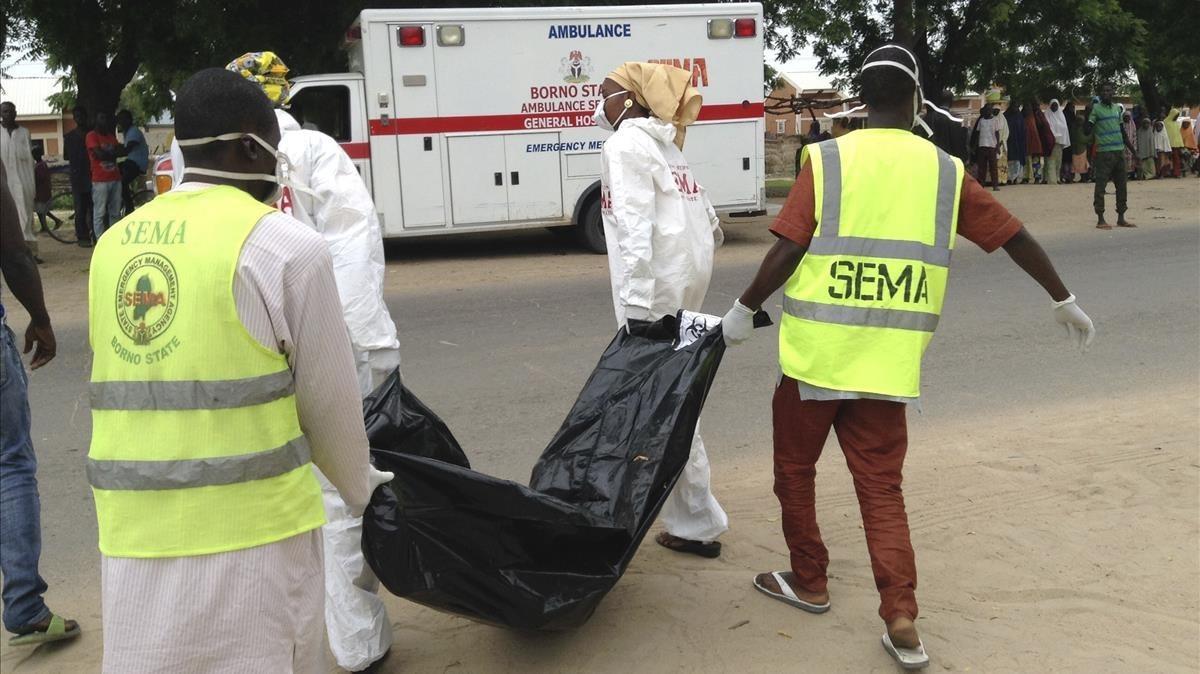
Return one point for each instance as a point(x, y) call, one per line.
point(708, 550)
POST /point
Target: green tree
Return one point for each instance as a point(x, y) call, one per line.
point(1167, 73)
point(1031, 46)
point(104, 45)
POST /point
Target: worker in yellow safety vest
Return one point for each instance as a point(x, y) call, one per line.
point(222, 371)
point(865, 241)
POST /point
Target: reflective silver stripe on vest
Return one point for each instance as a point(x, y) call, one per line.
point(831, 213)
point(947, 189)
point(831, 187)
point(890, 248)
point(864, 316)
point(124, 475)
point(190, 395)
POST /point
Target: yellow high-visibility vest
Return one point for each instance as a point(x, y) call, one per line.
point(196, 443)
point(863, 304)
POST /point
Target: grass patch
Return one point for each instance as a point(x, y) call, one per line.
point(779, 187)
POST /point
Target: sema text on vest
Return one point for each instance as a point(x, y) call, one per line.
point(876, 281)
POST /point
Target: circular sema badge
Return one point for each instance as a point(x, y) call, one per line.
point(147, 296)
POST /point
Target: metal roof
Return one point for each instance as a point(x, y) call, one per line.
point(29, 94)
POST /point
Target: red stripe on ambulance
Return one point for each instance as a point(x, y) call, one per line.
point(357, 150)
point(532, 122)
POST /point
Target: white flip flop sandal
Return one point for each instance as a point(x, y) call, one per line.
point(907, 658)
point(787, 596)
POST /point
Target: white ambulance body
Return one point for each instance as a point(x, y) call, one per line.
point(469, 120)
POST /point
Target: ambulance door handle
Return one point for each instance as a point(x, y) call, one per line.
point(428, 144)
point(499, 178)
point(516, 178)
point(745, 163)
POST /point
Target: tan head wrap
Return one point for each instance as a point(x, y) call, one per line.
point(666, 91)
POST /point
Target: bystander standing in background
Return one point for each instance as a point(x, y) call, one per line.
point(16, 153)
point(1016, 142)
point(1145, 150)
point(985, 152)
point(103, 150)
point(76, 153)
point(1033, 145)
point(1104, 120)
point(1047, 138)
point(1080, 140)
point(1061, 137)
point(136, 159)
point(1131, 161)
point(1162, 148)
point(41, 189)
point(1171, 123)
point(1189, 146)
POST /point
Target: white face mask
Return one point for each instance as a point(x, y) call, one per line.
point(281, 164)
point(601, 119)
point(918, 95)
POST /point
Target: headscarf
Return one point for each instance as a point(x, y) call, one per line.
point(1016, 132)
point(1171, 123)
point(1058, 123)
point(666, 91)
point(1189, 138)
point(1130, 127)
point(1033, 137)
point(267, 70)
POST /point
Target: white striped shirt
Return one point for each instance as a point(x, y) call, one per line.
point(258, 609)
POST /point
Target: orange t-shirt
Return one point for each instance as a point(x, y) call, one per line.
point(981, 219)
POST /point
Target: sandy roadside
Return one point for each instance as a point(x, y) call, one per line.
point(1047, 540)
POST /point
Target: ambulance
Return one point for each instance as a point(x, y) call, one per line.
point(476, 120)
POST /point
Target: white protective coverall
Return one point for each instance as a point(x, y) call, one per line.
point(661, 231)
point(16, 152)
point(325, 191)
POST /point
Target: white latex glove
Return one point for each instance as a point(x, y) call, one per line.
point(377, 477)
point(738, 324)
point(1078, 326)
point(718, 236)
point(374, 479)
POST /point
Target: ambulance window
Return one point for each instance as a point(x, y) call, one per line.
point(324, 108)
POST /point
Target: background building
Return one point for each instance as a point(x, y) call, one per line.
point(46, 127)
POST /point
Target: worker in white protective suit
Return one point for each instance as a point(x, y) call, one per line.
point(661, 231)
point(322, 189)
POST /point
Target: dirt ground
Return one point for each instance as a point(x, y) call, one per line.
point(1054, 498)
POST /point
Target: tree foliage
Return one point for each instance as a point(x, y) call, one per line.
point(1031, 47)
point(1167, 72)
point(152, 46)
point(103, 44)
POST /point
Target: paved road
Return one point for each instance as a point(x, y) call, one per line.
point(499, 333)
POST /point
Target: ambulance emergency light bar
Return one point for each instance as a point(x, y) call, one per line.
point(454, 35)
point(448, 35)
point(722, 29)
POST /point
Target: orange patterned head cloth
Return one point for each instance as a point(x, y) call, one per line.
point(666, 91)
point(265, 69)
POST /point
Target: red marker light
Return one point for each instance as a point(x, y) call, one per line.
point(744, 28)
point(411, 36)
point(354, 34)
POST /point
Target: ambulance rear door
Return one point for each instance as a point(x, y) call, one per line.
point(417, 126)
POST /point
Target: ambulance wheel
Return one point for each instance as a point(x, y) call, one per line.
point(591, 229)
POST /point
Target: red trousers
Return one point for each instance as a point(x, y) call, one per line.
point(874, 437)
